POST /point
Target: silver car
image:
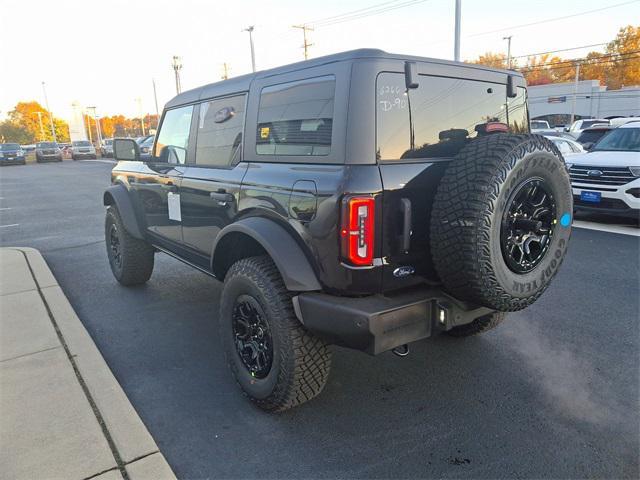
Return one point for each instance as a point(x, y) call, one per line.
point(82, 149)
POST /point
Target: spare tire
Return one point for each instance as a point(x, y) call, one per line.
point(501, 220)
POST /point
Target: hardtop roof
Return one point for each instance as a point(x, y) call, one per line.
point(243, 82)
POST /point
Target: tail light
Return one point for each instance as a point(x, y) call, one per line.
point(357, 230)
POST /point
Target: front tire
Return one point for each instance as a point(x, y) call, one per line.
point(131, 259)
point(276, 362)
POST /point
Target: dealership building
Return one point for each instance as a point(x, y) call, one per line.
point(554, 102)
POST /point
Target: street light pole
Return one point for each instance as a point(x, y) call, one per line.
point(98, 129)
point(575, 93)
point(155, 99)
point(253, 53)
point(508, 39)
point(139, 102)
point(176, 63)
point(46, 102)
point(456, 44)
point(41, 127)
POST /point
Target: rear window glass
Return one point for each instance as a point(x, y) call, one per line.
point(10, 146)
point(439, 117)
point(220, 131)
point(296, 118)
point(591, 136)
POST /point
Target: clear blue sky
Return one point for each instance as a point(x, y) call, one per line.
point(105, 53)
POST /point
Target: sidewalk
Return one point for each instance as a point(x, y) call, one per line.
point(63, 413)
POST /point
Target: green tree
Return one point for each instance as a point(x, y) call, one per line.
point(11, 133)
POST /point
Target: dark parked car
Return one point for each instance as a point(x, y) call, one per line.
point(48, 152)
point(145, 148)
point(362, 199)
point(106, 147)
point(589, 136)
point(11, 154)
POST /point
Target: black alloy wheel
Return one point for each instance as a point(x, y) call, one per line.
point(115, 246)
point(527, 225)
point(252, 336)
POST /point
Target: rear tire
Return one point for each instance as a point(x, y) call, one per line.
point(276, 362)
point(131, 259)
point(501, 221)
point(478, 326)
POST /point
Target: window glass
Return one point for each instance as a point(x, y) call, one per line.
point(173, 138)
point(563, 146)
point(440, 116)
point(296, 118)
point(220, 131)
point(620, 140)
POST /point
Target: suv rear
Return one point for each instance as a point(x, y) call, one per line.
point(82, 149)
point(363, 199)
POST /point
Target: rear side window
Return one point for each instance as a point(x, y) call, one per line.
point(441, 116)
point(173, 138)
point(220, 131)
point(296, 118)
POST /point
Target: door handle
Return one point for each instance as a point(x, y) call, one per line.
point(222, 197)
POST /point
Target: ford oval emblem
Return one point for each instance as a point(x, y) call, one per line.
point(405, 271)
point(594, 173)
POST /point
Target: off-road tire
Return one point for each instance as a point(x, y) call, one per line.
point(470, 202)
point(301, 361)
point(137, 256)
point(478, 326)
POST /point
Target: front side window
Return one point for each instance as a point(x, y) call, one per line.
point(296, 118)
point(220, 131)
point(620, 140)
point(441, 116)
point(173, 138)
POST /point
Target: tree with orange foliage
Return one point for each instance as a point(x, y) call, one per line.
point(23, 122)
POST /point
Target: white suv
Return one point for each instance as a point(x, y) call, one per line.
point(607, 178)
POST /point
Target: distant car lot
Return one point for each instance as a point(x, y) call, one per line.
point(551, 393)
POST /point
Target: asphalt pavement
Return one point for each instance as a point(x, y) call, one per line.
point(553, 392)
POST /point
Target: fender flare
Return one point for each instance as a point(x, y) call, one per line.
point(118, 195)
point(294, 267)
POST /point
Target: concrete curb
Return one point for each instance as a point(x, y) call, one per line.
point(135, 449)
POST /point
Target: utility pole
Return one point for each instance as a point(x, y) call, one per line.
point(306, 45)
point(41, 127)
point(155, 99)
point(89, 126)
point(225, 71)
point(176, 63)
point(98, 129)
point(456, 43)
point(139, 102)
point(575, 93)
point(508, 39)
point(46, 101)
point(253, 53)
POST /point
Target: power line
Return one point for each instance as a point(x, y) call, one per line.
point(561, 50)
point(555, 19)
point(605, 58)
point(350, 16)
point(324, 19)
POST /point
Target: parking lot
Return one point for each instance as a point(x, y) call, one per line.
point(553, 392)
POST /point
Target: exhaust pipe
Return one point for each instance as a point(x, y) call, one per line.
point(402, 350)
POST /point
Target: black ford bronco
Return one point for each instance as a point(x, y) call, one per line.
point(362, 199)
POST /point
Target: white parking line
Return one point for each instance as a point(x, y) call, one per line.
point(622, 229)
point(12, 225)
point(99, 161)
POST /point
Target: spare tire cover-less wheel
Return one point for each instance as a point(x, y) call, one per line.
point(501, 220)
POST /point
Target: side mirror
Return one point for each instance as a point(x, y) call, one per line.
point(126, 149)
point(512, 90)
point(588, 145)
point(411, 75)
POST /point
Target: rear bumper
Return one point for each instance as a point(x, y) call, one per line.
point(378, 323)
